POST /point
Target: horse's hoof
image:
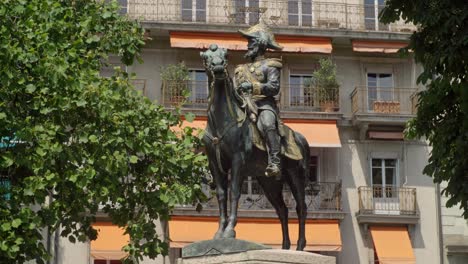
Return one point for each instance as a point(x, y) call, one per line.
point(229, 233)
point(286, 245)
point(300, 245)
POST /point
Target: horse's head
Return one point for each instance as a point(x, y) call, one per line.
point(215, 62)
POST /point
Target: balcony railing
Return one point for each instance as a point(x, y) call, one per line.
point(294, 98)
point(278, 13)
point(320, 196)
point(382, 101)
point(174, 91)
point(308, 99)
point(387, 200)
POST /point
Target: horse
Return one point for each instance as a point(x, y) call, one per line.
point(229, 148)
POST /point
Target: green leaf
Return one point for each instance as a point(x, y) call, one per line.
point(30, 88)
point(190, 117)
point(2, 115)
point(93, 138)
point(6, 226)
point(16, 223)
point(133, 159)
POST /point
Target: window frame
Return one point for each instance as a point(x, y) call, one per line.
point(193, 90)
point(194, 10)
point(378, 87)
point(302, 76)
point(300, 14)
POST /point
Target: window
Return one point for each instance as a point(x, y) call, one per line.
point(123, 7)
point(379, 88)
point(372, 9)
point(300, 13)
point(300, 91)
point(194, 10)
point(384, 177)
point(247, 11)
point(313, 174)
point(198, 86)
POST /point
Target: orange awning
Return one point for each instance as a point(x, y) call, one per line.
point(195, 124)
point(317, 133)
point(109, 242)
point(377, 46)
point(305, 44)
point(386, 135)
point(232, 41)
point(321, 235)
point(392, 244)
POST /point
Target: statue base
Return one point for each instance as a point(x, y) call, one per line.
point(235, 251)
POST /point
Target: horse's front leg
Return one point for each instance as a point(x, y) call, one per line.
point(236, 184)
point(220, 180)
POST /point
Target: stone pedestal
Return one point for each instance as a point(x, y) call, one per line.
point(263, 256)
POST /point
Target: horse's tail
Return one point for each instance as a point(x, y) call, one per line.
point(305, 151)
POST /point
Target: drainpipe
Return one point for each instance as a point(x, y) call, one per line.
point(439, 223)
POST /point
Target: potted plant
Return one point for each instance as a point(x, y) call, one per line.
point(326, 84)
point(175, 79)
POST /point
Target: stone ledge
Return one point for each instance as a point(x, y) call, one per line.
point(263, 257)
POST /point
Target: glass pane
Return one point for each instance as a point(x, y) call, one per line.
point(295, 82)
point(239, 7)
point(376, 163)
point(293, 20)
point(307, 7)
point(377, 176)
point(201, 4)
point(390, 162)
point(293, 7)
point(307, 20)
point(187, 4)
point(390, 177)
point(201, 15)
point(186, 15)
point(386, 80)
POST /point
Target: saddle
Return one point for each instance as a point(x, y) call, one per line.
point(289, 147)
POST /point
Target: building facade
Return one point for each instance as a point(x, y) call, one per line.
point(368, 201)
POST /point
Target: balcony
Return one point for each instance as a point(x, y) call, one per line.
point(379, 105)
point(323, 200)
point(387, 205)
point(280, 14)
point(294, 101)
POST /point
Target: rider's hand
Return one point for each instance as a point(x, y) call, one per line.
point(246, 87)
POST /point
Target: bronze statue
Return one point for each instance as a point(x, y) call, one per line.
point(234, 138)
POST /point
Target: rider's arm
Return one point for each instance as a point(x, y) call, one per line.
point(272, 86)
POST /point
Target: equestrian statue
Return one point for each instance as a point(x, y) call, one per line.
point(245, 136)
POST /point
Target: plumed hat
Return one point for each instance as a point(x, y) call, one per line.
point(261, 31)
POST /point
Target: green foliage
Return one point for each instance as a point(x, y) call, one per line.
point(175, 77)
point(83, 143)
point(324, 79)
point(441, 46)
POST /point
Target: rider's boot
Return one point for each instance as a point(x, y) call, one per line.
point(274, 148)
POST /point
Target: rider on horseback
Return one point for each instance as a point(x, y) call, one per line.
point(260, 80)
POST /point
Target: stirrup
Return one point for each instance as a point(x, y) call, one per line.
point(273, 170)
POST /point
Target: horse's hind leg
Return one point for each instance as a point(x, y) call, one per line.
point(220, 180)
point(273, 190)
point(296, 182)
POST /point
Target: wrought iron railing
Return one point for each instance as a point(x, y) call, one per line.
point(320, 196)
point(294, 98)
point(189, 94)
point(297, 98)
point(380, 100)
point(390, 200)
point(278, 13)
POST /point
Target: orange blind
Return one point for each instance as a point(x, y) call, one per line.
point(233, 41)
point(319, 133)
point(321, 235)
point(109, 242)
point(392, 244)
point(377, 46)
point(195, 124)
